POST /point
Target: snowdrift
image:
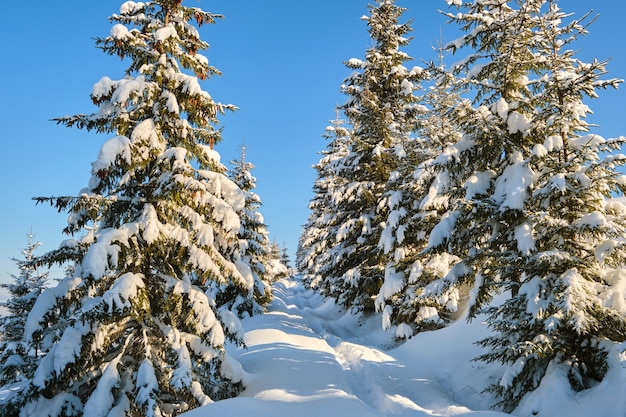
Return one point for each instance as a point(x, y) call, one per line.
point(306, 358)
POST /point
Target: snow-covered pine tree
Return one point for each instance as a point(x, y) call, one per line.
point(564, 259)
point(132, 332)
point(381, 109)
point(416, 200)
point(254, 248)
point(284, 257)
point(18, 359)
point(484, 200)
point(319, 233)
point(278, 268)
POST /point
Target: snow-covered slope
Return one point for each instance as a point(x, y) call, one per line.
point(305, 359)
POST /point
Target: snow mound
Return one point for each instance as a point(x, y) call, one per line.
point(307, 357)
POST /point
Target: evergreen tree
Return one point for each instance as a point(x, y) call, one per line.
point(416, 200)
point(499, 63)
point(131, 331)
point(17, 358)
point(279, 269)
point(254, 246)
point(284, 257)
point(381, 109)
point(529, 206)
point(565, 257)
point(319, 232)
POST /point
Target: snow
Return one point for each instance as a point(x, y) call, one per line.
point(613, 297)
point(103, 253)
point(150, 224)
point(163, 34)
point(305, 358)
point(558, 182)
point(478, 183)
point(101, 400)
point(407, 87)
point(118, 146)
point(119, 31)
point(58, 405)
point(442, 230)
point(502, 108)
point(517, 122)
point(64, 352)
point(355, 63)
point(123, 290)
point(232, 195)
point(511, 186)
point(205, 318)
point(130, 7)
point(128, 88)
point(592, 141)
point(47, 301)
point(171, 103)
point(147, 385)
point(146, 132)
point(392, 284)
point(436, 197)
point(246, 273)
point(102, 87)
point(181, 376)
point(525, 239)
point(592, 220)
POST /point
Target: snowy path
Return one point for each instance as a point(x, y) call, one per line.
point(304, 360)
point(376, 378)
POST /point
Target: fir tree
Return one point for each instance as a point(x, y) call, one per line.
point(131, 331)
point(416, 200)
point(279, 268)
point(319, 233)
point(565, 257)
point(530, 210)
point(254, 246)
point(381, 109)
point(284, 257)
point(496, 69)
point(18, 359)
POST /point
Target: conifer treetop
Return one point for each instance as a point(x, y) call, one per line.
point(162, 82)
point(133, 329)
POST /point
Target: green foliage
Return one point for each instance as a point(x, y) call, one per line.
point(18, 356)
point(380, 110)
point(133, 326)
point(490, 185)
point(541, 229)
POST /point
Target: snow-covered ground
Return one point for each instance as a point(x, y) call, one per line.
point(304, 358)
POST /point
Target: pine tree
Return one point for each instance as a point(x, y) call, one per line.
point(132, 331)
point(564, 257)
point(416, 200)
point(381, 109)
point(254, 246)
point(278, 268)
point(530, 197)
point(319, 233)
point(496, 69)
point(18, 359)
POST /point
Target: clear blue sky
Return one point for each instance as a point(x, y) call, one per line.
point(282, 64)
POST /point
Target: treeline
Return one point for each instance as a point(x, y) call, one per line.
point(478, 188)
point(167, 248)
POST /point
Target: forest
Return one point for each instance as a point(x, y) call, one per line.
point(445, 194)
